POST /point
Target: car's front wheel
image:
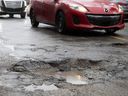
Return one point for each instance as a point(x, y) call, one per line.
point(110, 31)
point(34, 22)
point(22, 15)
point(61, 23)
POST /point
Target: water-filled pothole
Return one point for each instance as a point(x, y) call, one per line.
point(73, 71)
point(73, 77)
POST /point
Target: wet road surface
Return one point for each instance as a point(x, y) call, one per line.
point(42, 62)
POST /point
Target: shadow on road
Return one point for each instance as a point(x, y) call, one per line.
point(78, 33)
point(7, 17)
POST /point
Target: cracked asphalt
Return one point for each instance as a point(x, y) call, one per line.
point(41, 62)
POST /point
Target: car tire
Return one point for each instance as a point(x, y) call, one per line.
point(34, 22)
point(11, 15)
point(61, 23)
point(110, 31)
point(23, 15)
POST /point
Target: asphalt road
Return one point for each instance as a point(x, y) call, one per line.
point(42, 62)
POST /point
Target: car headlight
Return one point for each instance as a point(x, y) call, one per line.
point(78, 7)
point(120, 8)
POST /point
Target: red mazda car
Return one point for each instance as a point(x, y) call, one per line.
point(77, 14)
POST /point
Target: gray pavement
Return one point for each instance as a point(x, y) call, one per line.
point(41, 62)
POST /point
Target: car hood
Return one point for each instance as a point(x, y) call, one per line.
point(99, 6)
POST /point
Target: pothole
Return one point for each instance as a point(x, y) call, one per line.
point(71, 70)
point(115, 44)
point(28, 65)
point(71, 64)
point(62, 65)
point(120, 44)
point(18, 68)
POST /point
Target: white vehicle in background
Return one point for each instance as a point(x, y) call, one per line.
point(12, 7)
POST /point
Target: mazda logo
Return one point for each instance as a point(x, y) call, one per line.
point(106, 10)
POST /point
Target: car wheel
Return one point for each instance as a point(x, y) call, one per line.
point(110, 31)
point(34, 22)
point(11, 15)
point(22, 15)
point(61, 23)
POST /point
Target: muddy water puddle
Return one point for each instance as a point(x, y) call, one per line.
point(72, 77)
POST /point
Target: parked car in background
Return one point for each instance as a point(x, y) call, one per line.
point(12, 7)
point(124, 5)
point(77, 14)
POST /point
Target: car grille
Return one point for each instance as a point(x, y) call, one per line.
point(125, 10)
point(11, 10)
point(104, 20)
point(13, 4)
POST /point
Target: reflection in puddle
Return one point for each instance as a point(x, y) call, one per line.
point(76, 80)
point(42, 87)
point(72, 77)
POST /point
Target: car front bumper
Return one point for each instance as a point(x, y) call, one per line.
point(78, 20)
point(4, 10)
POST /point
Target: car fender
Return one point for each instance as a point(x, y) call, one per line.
point(63, 8)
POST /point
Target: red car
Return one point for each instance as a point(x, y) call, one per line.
point(77, 14)
point(124, 5)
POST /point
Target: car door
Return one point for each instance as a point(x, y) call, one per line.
point(38, 9)
point(49, 11)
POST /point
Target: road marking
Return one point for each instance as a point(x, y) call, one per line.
point(119, 38)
